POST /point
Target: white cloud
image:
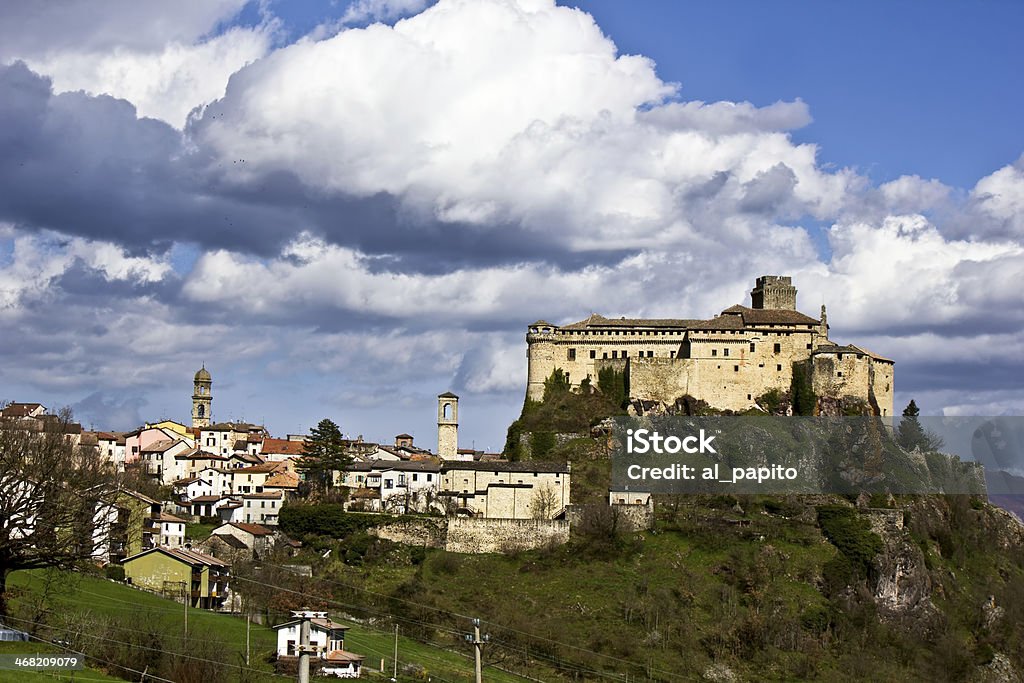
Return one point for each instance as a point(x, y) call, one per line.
point(162, 57)
point(504, 111)
point(1000, 198)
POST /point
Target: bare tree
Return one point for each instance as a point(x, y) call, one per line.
point(52, 497)
point(545, 502)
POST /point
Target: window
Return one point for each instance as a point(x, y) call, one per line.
point(725, 352)
point(604, 355)
point(752, 347)
point(615, 354)
point(808, 345)
point(572, 354)
point(748, 397)
point(839, 374)
point(430, 477)
point(415, 477)
point(650, 354)
point(778, 347)
point(735, 368)
point(778, 367)
point(387, 483)
point(593, 353)
point(714, 352)
point(291, 648)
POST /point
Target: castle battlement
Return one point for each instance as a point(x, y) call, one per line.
point(728, 360)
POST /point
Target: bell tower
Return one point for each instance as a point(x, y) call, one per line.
point(448, 426)
point(202, 398)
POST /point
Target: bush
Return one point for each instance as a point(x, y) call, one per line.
point(541, 443)
point(851, 534)
point(327, 519)
point(114, 572)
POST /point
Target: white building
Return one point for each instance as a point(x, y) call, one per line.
point(329, 639)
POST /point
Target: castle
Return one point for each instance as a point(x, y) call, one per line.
point(727, 361)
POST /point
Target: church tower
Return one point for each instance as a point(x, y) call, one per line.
point(202, 398)
point(448, 426)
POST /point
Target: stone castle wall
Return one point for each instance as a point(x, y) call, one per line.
point(476, 535)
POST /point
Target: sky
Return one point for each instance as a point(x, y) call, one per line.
point(344, 209)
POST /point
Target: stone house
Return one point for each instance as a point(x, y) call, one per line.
point(178, 572)
point(506, 490)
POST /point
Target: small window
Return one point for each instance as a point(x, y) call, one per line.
point(735, 368)
point(748, 397)
point(839, 374)
point(778, 348)
point(650, 354)
point(604, 355)
point(752, 347)
point(725, 352)
point(572, 354)
point(808, 346)
point(714, 352)
point(593, 353)
point(415, 477)
point(615, 354)
point(778, 367)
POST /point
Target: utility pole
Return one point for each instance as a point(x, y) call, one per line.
point(478, 644)
point(394, 676)
point(248, 621)
point(304, 647)
point(184, 590)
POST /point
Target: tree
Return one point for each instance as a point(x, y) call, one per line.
point(323, 455)
point(910, 434)
point(545, 502)
point(53, 497)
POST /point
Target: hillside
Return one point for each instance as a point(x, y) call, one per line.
point(823, 587)
point(116, 624)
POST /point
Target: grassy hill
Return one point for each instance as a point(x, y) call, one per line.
point(108, 619)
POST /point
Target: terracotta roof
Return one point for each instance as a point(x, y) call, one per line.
point(20, 409)
point(343, 656)
point(160, 446)
point(283, 480)
point(164, 517)
point(205, 499)
point(283, 447)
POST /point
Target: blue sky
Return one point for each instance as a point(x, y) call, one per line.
point(343, 218)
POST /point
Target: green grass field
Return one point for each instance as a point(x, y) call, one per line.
point(99, 599)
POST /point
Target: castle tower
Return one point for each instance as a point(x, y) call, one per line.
point(448, 426)
point(202, 398)
point(774, 292)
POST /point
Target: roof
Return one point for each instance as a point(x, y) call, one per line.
point(343, 656)
point(233, 427)
point(164, 517)
point(323, 624)
point(283, 480)
point(763, 316)
point(403, 436)
point(447, 394)
point(229, 540)
point(596, 320)
point(190, 557)
point(398, 465)
point(254, 529)
point(262, 468)
point(365, 493)
point(160, 446)
point(266, 494)
point(20, 409)
point(527, 466)
point(205, 499)
point(202, 374)
point(849, 348)
point(283, 447)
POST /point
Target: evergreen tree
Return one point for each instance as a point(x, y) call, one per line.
point(911, 434)
point(322, 455)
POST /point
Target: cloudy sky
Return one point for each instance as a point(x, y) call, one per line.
point(344, 209)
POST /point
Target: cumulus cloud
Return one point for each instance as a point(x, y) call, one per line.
point(162, 57)
point(362, 11)
point(999, 197)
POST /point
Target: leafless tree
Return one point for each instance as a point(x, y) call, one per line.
point(545, 502)
point(53, 494)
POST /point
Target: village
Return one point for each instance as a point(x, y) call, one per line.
point(233, 479)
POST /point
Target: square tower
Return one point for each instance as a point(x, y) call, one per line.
point(448, 426)
point(775, 292)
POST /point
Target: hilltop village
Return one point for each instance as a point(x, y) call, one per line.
point(236, 479)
